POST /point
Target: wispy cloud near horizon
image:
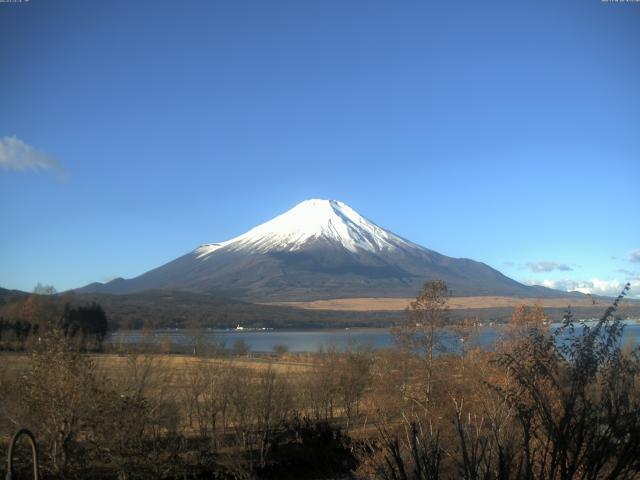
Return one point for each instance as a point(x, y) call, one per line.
point(548, 266)
point(596, 286)
point(635, 256)
point(19, 156)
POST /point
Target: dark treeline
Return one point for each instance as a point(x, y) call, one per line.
point(87, 322)
point(24, 320)
point(168, 309)
point(175, 309)
point(529, 410)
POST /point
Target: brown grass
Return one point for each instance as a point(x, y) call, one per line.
point(172, 364)
point(455, 303)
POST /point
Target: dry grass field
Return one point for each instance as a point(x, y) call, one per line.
point(455, 303)
point(167, 375)
point(174, 366)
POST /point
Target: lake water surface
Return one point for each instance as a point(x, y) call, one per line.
point(301, 341)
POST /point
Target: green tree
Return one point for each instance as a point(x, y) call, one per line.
point(89, 321)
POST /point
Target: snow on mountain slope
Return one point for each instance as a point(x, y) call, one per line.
point(311, 220)
point(320, 249)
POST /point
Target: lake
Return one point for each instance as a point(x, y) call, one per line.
point(302, 341)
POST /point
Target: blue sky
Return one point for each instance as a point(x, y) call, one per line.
point(507, 132)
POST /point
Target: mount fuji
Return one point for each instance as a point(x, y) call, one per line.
point(320, 249)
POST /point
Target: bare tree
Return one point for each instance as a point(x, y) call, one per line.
point(353, 379)
point(427, 313)
point(575, 398)
point(41, 289)
point(272, 406)
point(58, 398)
point(319, 386)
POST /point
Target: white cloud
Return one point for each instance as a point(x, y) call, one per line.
point(548, 266)
point(21, 157)
point(596, 286)
point(635, 256)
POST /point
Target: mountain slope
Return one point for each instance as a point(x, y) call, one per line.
point(319, 249)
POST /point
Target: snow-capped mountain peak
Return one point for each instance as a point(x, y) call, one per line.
point(329, 220)
point(320, 249)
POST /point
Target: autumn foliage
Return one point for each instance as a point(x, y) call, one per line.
point(549, 402)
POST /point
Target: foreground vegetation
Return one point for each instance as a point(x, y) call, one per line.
point(544, 405)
